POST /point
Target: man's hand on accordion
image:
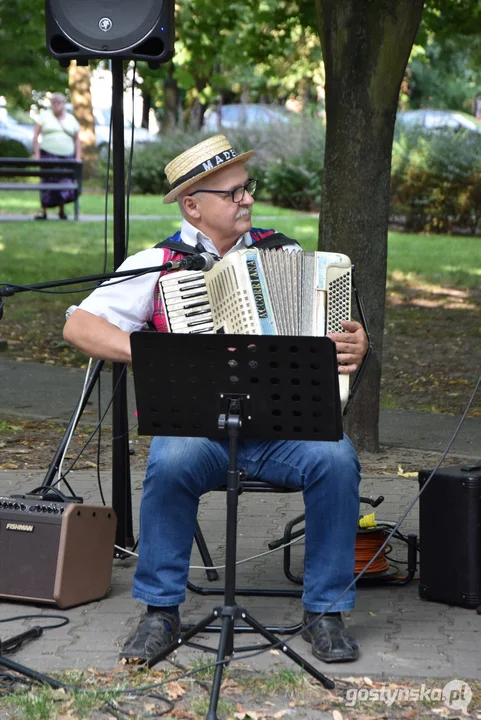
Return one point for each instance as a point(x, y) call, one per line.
point(351, 346)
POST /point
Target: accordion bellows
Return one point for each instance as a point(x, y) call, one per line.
point(263, 292)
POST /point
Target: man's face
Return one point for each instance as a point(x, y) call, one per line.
point(220, 217)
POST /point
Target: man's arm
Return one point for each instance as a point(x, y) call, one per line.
point(351, 346)
point(97, 337)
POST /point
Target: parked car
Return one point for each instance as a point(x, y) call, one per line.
point(102, 131)
point(434, 120)
point(10, 129)
point(245, 115)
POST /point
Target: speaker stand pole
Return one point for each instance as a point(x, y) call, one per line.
point(121, 486)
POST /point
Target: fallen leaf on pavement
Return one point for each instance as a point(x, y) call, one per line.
point(174, 690)
point(230, 687)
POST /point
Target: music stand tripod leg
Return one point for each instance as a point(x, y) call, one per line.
point(230, 611)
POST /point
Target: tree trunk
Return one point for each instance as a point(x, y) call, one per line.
point(79, 84)
point(171, 98)
point(365, 48)
point(146, 106)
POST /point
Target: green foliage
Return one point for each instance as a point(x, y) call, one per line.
point(12, 148)
point(445, 74)
point(294, 169)
point(25, 65)
point(148, 165)
point(436, 180)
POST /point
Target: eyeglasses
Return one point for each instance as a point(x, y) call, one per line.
point(237, 194)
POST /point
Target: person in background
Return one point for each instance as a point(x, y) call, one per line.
point(56, 135)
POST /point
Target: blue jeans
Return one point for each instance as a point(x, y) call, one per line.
point(180, 470)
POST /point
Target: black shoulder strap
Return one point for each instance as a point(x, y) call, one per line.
point(179, 246)
point(275, 240)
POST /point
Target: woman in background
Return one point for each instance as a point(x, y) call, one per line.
point(56, 135)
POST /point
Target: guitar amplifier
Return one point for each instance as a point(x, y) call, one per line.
point(450, 536)
point(55, 552)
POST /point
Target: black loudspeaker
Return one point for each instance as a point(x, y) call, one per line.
point(450, 536)
point(131, 29)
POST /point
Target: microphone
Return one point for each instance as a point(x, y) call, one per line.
point(203, 261)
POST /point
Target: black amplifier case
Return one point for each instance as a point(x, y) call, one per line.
point(55, 552)
point(450, 536)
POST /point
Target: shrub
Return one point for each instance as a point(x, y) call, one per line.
point(288, 161)
point(149, 161)
point(436, 180)
point(12, 148)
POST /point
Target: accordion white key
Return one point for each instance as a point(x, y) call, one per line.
point(263, 292)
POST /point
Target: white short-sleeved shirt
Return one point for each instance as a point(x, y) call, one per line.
point(58, 136)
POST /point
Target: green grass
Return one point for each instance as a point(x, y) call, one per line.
point(40, 252)
point(436, 259)
point(93, 203)
point(37, 252)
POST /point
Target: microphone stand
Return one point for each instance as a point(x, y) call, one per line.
point(121, 499)
point(121, 485)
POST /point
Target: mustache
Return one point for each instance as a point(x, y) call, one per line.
point(243, 212)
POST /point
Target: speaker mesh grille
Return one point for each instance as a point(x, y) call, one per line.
point(106, 25)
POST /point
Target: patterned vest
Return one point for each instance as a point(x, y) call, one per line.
point(264, 237)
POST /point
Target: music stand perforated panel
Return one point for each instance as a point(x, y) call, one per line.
point(288, 385)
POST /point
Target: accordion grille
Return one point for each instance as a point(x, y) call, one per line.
point(338, 302)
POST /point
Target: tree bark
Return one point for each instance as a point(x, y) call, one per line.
point(171, 101)
point(366, 46)
point(146, 106)
point(79, 84)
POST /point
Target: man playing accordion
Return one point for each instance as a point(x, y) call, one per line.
point(215, 194)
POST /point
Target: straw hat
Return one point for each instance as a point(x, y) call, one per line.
point(199, 161)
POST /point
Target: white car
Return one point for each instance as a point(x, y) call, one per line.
point(10, 129)
point(102, 131)
point(245, 115)
point(436, 120)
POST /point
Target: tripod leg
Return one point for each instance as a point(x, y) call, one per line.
point(225, 642)
point(32, 674)
point(204, 552)
point(54, 465)
point(249, 620)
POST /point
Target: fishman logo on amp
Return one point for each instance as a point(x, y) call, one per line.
point(19, 526)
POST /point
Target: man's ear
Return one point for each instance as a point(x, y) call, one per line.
point(191, 207)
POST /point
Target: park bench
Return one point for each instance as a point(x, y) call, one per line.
point(68, 169)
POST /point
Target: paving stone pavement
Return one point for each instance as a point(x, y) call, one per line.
point(401, 636)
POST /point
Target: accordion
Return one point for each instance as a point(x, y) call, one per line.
point(263, 292)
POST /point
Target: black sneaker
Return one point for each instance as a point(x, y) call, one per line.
point(329, 639)
point(62, 216)
point(154, 632)
point(40, 216)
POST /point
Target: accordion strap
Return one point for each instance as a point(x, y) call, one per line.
point(274, 240)
point(178, 246)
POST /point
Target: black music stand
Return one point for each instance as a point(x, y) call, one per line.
point(222, 387)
